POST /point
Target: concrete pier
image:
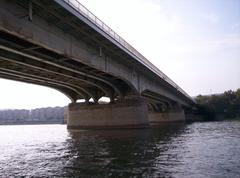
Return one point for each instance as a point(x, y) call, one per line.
point(128, 113)
point(156, 118)
point(65, 115)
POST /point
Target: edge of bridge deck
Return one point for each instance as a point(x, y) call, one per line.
point(80, 11)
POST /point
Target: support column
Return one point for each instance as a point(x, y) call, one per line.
point(156, 118)
point(127, 113)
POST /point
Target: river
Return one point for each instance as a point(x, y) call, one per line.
point(201, 149)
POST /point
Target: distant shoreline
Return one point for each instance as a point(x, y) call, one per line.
point(33, 123)
point(48, 115)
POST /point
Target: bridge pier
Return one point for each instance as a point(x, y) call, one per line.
point(65, 118)
point(127, 113)
point(173, 115)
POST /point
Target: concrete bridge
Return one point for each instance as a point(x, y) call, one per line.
point(62, 45)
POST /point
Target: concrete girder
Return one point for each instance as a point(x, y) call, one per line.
point(87, 80)
point(21, 35)
point(82, 92)
point(151, 99)
point(66, 91)
point(157, 106)
point(90, 93)
point(89, 71)
point(93, 36)
point(150, 107)
point(8, 65)
point(161, 92)
point(34, 67)
point(91, 77)
point(131, 88)
point(156, 98)
point(97, 80)
point(14, 74)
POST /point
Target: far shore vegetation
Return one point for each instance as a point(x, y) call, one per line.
point(220, 106)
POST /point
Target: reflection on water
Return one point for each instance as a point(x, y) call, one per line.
point(210, 149)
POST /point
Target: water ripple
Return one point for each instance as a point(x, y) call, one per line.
point(210, 149)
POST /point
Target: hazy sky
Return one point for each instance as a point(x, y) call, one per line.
point(195, 42)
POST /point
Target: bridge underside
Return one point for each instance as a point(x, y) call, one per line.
point(24, 61)
point(58, 50)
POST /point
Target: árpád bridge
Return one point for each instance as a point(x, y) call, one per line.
point(62, 45)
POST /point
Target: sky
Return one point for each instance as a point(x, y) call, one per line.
point(194, 42)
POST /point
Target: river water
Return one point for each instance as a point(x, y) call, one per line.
point(205, 149)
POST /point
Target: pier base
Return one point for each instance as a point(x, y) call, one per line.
point(156, 118)
point(128, 113)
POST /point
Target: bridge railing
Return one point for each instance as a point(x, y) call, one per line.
point(105, 28)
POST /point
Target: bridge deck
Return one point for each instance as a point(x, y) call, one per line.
point(77, 39)
point(77, 6)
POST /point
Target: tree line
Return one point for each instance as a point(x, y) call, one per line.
point(226, 105)
point(39, 115)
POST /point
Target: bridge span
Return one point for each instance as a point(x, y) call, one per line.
point(62, 45)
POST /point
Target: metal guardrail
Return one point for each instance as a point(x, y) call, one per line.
point(100, 24)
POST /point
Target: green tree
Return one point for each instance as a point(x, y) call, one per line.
point(227, 104)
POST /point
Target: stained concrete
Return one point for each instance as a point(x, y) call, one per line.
point(156, 118)
point(129, 113)
point(193, 117)
point(65, 115)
